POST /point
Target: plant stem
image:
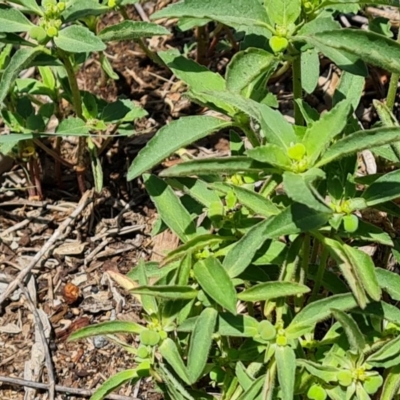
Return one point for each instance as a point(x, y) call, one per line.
point(202, 39)
point(77, 103)
point(392, 91)
point(250, 135)
point(305, 260)
point(297, 89)
point(320, 273)
point(142, 44)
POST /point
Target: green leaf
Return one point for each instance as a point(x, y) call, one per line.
point(300, 190)
point(149, 303)
point(172, 137)
point(320, 134)
point(283, 12)
point(247, 65)
point(30, 5)
point(351, 329)
point(114, 382)
point(371, 47)
point(170, 352)
point(78, 39)
point(392, 384)
point(122, 110)
point(272, 290)
point(83, 8)
point(295, 219)
point(200, 343)
point(227, 325)
point(276, 128)
point(365, 269)
point(320, 310)
point(72, 126)
point(19, 61)
point(346, 265)
point(215, 281)
point(131, 30)
point(326, 373)
point(387, 356)
point(359, 141)
point(385, 188)
point(234, 13)
point(97, 169)
point(350, 88)
point(253, 391)
point(254, 201)
point(241, 254)
point(12, 20)
point(196, 244)
point(225, 165)
point(309, 70)
point(272, 154)
point(197, 189)
point(107, 328)
point(196, 76)
point(167, 292)
point(286, 363)
point(389, 282)
point(172, 212)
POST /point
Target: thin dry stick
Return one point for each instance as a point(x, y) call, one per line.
point(63, 389)
point(58, 233)
point(49, 363)
point(141, 12)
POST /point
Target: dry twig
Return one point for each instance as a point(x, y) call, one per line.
point(63, 389)
point(58, 234)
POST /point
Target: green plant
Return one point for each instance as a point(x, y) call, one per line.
point(272, 236)
point(56, 38)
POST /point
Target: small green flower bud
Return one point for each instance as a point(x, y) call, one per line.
point(52, 31)
point(278, 44)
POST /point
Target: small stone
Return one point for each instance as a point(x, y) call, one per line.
point(99, 342)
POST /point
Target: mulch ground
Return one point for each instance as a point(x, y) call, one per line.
point(70, 288)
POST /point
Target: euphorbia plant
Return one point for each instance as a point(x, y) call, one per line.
point(272, 236)
point(58, 37)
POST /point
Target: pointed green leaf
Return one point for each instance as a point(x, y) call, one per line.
point(346, 265)
point(309, 70)
point(106, 328)
point(254, 390)
point(12, 20)
point(350, 88)
point(172, 137)
point(196, 244)
point(229, 12)
point(272, 290)
point(371, 47)
point(224, 165)
point(351, 329)
point(215, 281)
point(30, 5)
point(149, 303)
point(241, 254)
point(286, 363)
point(200, 343)
point(131, 30)
point(392, 384)
point(196, 76)
point(78, 39)
point(321, 310)
point(227, 325)
point(247, 65)
point(19, 61)
point(389, 281)
point(359, 141)
point(384, 189)
point(365, 269)
point(387, 356)
point(283, 12)
point(167, 292)
point(320, 134)
point(170, 207)
point(83, 8)
point(73, 126)
point(271, 154)
point(114, 382)
point(170, 352)
point(299, 190)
